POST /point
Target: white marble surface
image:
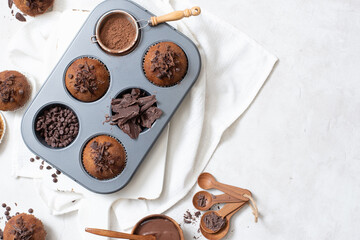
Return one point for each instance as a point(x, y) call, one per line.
point(297, 147)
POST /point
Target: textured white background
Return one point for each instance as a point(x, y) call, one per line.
point(298, 146)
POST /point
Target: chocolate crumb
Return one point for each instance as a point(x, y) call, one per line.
point(201, 200)
point(214, 222)
point(20, 17)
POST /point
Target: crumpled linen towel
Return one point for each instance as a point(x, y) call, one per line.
point(234, 67)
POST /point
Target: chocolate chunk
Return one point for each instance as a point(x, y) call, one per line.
point(201, 200)
point(165, 64)
point(20, 17)
point(214, 222)
point(10, 3)
point(101, 156)
point(22, 231)
point(134, 111)
point(85, 80)
point(197, 214)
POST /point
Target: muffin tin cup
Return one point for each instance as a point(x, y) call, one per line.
point(126, 71)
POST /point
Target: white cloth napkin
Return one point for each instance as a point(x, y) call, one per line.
point(234, 68)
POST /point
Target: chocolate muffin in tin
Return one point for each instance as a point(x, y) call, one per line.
point(104, 157)
point(165, 64)
point(87, 79)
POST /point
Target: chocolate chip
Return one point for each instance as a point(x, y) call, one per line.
point(81, 66)
point(71, 76)
point(30, 210)
point(58, 172)
point(10, 3)
point(3, 205)
point(41, 167)
point(54, 175)
point(6, 213)
point(8, 208)
point(8, 217)
point(48, 167)
point(20, 17)
point(32, 159)
point(55, 180)
point(37, 157)
point(21, 91)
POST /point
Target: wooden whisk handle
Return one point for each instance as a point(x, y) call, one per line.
point(173, 16)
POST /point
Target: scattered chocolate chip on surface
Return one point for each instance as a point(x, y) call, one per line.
point(20, 17)
point(31, 210)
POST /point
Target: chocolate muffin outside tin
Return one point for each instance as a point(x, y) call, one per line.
point(82, 151)
point(66, 76)
point(143, 62)
point(40, 138)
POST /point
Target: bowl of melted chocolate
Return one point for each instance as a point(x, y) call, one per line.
point(160, 226)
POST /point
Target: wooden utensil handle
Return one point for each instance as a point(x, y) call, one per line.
point(229, 208)
point(225, 198)
point(235, 192)
point(113, 234)
point(177, 15)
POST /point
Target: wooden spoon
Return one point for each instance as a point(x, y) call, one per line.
point(222, 232)
point(207, 181)
point(223, 212)
point(113, 234)
point(211, 200)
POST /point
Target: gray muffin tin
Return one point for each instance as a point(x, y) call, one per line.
point(125, 72)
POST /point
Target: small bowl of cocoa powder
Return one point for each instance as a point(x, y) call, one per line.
point(116, 32)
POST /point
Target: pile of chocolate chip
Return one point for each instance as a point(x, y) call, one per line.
point(134, 112)
point(85, 79)
point(58, 126)
point(165, 63)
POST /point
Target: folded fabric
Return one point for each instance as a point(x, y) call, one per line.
point(234, 68)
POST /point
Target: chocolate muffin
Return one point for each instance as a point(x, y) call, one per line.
point(33, 7)
point(104, 157)
point(24, 227)
point(87, 79)
point(165, 64)
point(15, 90)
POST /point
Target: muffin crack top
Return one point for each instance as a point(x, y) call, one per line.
point(165, 63)
point(85, 79)
point(101, 156)
point(21, 232)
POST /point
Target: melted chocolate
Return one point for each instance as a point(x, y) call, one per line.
point(161, 228)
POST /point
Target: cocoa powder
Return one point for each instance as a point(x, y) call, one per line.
point(118, 32)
